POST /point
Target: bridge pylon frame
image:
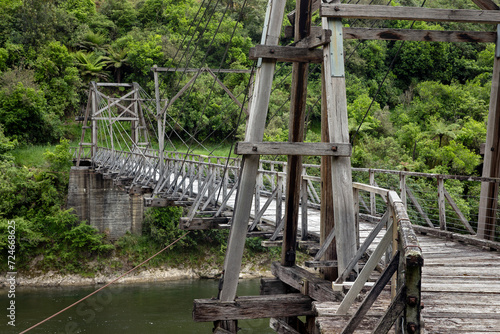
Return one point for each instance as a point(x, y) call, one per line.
point(109, 109)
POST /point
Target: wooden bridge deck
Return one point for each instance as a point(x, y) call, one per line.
point(460, 292)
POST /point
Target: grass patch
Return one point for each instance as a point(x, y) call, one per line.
point(31, 156)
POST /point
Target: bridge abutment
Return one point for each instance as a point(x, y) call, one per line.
point(104, 205)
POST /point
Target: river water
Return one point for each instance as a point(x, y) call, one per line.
point(160, 307)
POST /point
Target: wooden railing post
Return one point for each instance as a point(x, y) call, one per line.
point(441, 203)
point(402, 189)
point(355, 194)
point(303, 196)
point(279, 200)
point(373, 203)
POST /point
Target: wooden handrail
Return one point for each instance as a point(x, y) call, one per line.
point(407, 286)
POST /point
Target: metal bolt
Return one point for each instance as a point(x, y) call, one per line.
point(271, 51)
point(336, 8)
point(334, 148)
point(254, 148)
point(412, 301)
point(412, 327)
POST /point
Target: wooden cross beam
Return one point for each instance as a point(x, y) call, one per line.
point(379, 12)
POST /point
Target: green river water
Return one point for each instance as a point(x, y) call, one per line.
point(160, 307)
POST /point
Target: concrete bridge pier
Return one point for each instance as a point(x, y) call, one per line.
point(104, 205)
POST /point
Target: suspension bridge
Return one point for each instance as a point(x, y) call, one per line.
point(369, 238)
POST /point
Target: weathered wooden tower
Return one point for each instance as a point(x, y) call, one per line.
point(338, 205)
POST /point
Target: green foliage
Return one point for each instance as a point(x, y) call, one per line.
point(121, 13)
point(81, 9)
point(58, 78)
point(25, 115)
point(160, 224)
point(6, 146)
point(145, 53)
point(92, 66)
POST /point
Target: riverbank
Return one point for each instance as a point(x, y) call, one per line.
point(141, 275)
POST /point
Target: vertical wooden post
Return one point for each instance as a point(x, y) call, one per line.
point(303, 196)
point(373, 203)
point(296, 127)
point(345, 226)
point(402, 189)
point(279, 200)
point(258, 187)
point(355, 193)
point(441, 203)
point(488, 203)
point(255, 133)
point(327, 222)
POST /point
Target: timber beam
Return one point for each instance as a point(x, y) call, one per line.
point(296, 148)
point(385, 34)
point(252, 307)
point(204, 223)
point(419, 35)
point(322, 264)
point(379, 12)
point(320, 37)
point(286, 54)
point(486, 4)
point(306, 282)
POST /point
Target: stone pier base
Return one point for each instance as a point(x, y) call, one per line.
point(103, 205)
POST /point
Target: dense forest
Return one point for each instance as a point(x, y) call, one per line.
point(415, 106)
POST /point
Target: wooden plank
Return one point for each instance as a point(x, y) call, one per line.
point(296, 126)
point(289, 31)
point(380, 12)
point(321, 264)
point(325, 245)
point(303, 210)
point(365, 273)
point(488, 202)
point(420, 35)
point(371, 189)
point(255, 133)
point(286, 54)
point(395, 309)
point(372, 296)
point(486, 4)
point(319, 289)
point(252, 307)
point(335, 324)
point(294, 148)
point(314, 40)
point(458, 325)
point(327, 223)
point(187, 70)
point(469, 239)
point(281, 327)
point(364, 247)
point(441, 204)
point(336, 106)
point(204, 223)
point(273, 286)
point(472, 289)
